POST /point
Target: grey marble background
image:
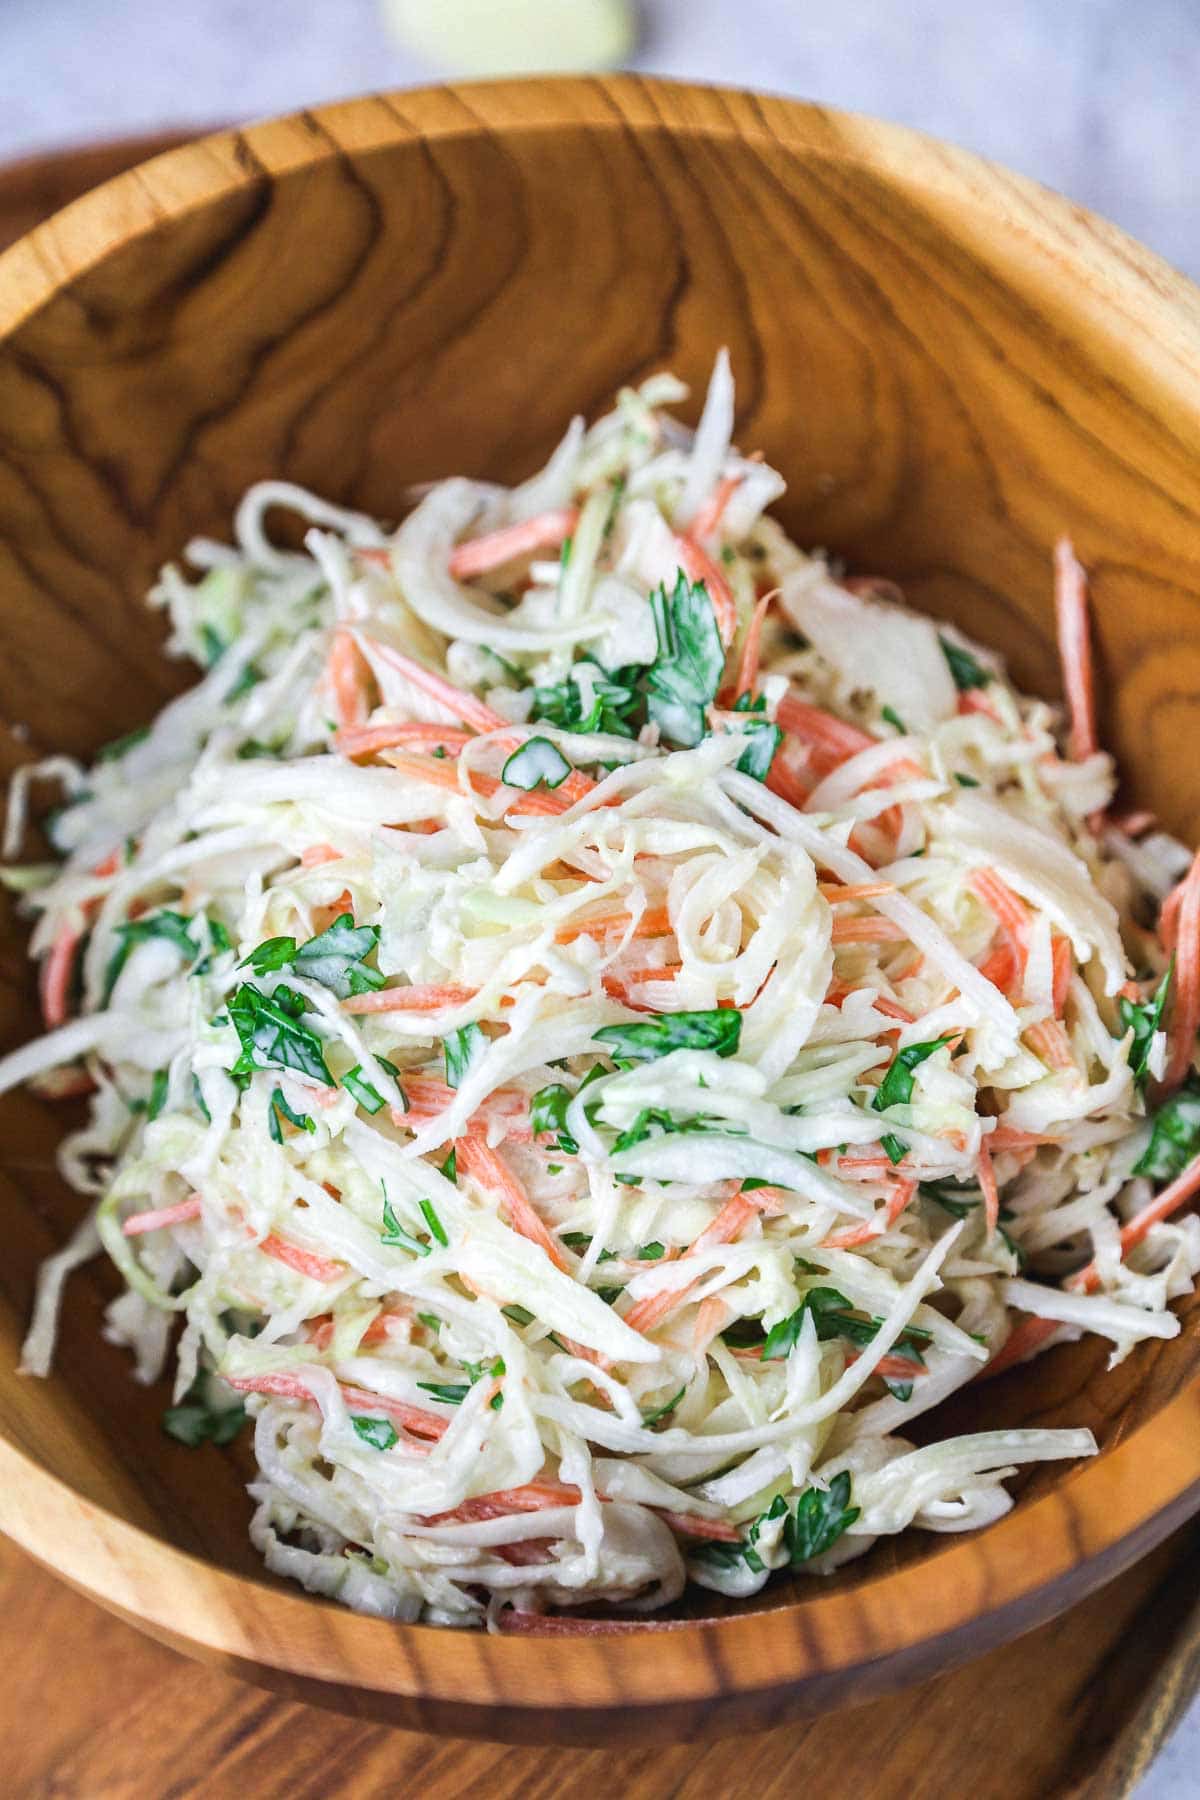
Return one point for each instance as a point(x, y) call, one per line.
point(1096, 97)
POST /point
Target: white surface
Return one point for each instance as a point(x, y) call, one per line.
point(1096, 97)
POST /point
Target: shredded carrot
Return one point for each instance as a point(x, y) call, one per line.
point(831, 737)
point(304, 1262)
point(474, 1158)
point(1075, 648)
point(161, 1216)
point(747, 675)
point(989, 1189)
point(392, 1323)
point(467, 707)
point(1009, 1137)
point(1063, 963)
point(867, 931)
point(56, 972)
point(712, 512)
point(544, 532)
point(316, 854)
point(424, 997)
point(655, 921)
point(1021, 1342)
point(893, 1011)
point(290, 1387)
point(700, 567)
point(109, 866)
point(852, 1236)
point(785, 781)
point(729, 1224)
point(692, 1525)
point(712, 1316)
point(368, 740)
point(1048, 1039)
point(1185, 1013)
point(347, 675)
point(840, 894)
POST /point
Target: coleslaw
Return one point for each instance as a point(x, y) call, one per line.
point(593, 1022)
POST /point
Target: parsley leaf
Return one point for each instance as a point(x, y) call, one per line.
point(718, 1030)
point(820, 1518)
point(892, 717)
point(450, 1393)
point(364, 1092)
point(655, 1413)
point(548, 1113)
point(1144, 1018)
point(783, 1337)
point(684, 680)
point(436, 1228)
point(269, 956)
point(336, 958)
point(952, 1198)
point(897, 1085)
point(462, 1049)
point(381, 1434)
point(395, 1236)
point(116, 750)
point(1175, 1138)
point(614, 700)
point(272, 1036)
point(196, 1421)
point(537, 761)
point(279, 1105)
point(759, 753)
point(158, 1094)
point(966, 671)
point(173, 926)
point(894, 1148)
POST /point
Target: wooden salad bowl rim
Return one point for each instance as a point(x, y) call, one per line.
point(646, 1678)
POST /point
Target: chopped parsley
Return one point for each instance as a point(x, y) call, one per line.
point(1144, 1019)
point(537, 762)
point(683, 682)
point(897, 1085)
point(173, 927)
point(966, 670)
point(548, 1115)
point(272, 1035)
point(278, 1105)
point(381, 1434)
point(1175, 1138)
point(718, 1030)
point(336, 957)
point(462, 1049)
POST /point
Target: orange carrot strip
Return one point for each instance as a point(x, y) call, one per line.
point(699, 567)
point(1048, 1039)
point(785, 781)
point(1185, 1013)
point(495, 548)
point(316, 854)
point(347, 674)
point(692, 1525)
point(989, 1189)
point(467, 707)
point(1075, 649)
point(655, 921)
point(56, 971)
point(366, 740)
point(161, 1216)
point(839, 894)
point(424, 997)
point(290, 1387)
point(892, 1010)
point(1161, 1207)
point(1063, 962)
point(902, 1196)
point(830, 735)
point(1021, 1342)
point(867, 931)
point(851, 1236)
point(304, 1262)
point(747, 675)
point(1009, 911)
point(729, 1224)
point(474, 1158)
point(1009, 1137)
point(710, 514)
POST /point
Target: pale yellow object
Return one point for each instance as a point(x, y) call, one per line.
point(515, 37)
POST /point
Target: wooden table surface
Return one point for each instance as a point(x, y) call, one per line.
point(91, 1710)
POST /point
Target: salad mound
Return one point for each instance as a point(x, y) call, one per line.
point(594, 1021)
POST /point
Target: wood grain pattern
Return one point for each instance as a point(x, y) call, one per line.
point(949, 364)
point(1057, 1714)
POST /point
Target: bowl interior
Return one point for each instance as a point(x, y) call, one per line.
point(949, 367)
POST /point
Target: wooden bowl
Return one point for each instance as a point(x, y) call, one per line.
point(950, 365)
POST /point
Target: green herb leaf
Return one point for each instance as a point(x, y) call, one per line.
point(966, 671)
point(381, 1434)
point(537, 761)
point(450, 1393)
point(269, 956)
point(776, 1510)
point(116, 750)
point(172, 926)
point(651, 1252)
point(718, 1030)
point(1144, 1018)
point(195, 1421)
point(336, 958)
point(783, 1337)
point(367, 1096)
point(893, 718)
point(613, 701)
point(437, 1229)
point(249, 677)
point(548, 1115)
point(272, 1037)
point(959, 1202)
point(519, 1315)
point(214, 645)
point(430, 1320)
point(897, 1085)
point(967, 781)
point(894, 1148)
point(759, 753)
point(450, 1167)
point(684, 680)
point(158, 1094)
point(660, 1412)
point(198, 1097)
point(279, 1105)
point(820, 1518)
point(1175, 1139)
point(462, 1048)
point(395, 1236)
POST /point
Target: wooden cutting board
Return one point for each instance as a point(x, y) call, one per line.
point(90, 1710)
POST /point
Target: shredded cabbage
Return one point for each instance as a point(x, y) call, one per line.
point(586, 1063)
